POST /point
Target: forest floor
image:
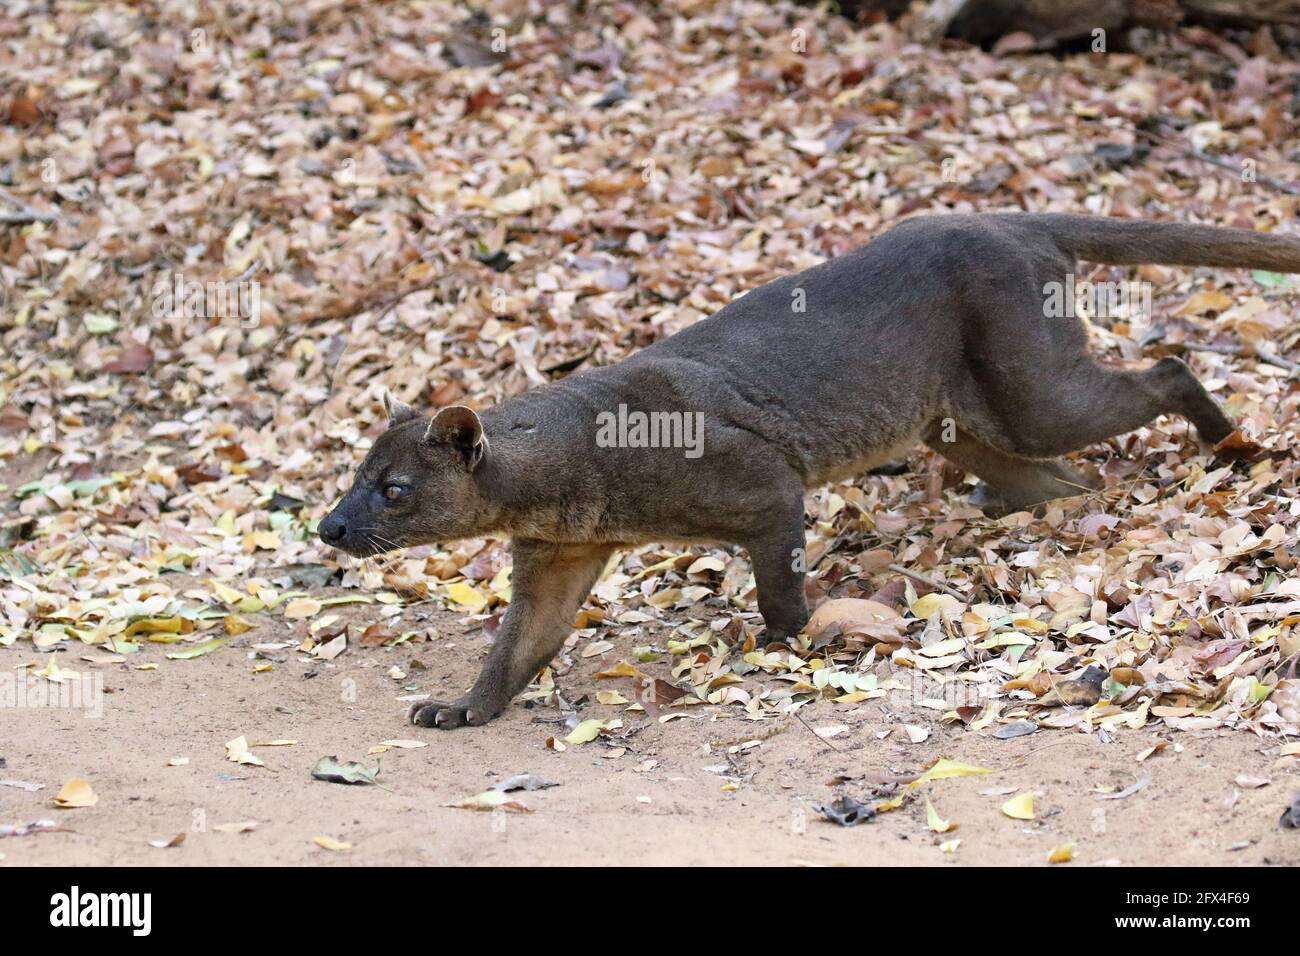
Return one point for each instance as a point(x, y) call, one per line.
point(656, 795)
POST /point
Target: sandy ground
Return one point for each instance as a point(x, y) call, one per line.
point(607, 809)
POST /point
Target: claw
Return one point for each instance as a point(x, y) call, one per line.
point(446, 716)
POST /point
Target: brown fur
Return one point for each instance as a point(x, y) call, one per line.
point(935, 331)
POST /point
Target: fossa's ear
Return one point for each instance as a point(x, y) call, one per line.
point(460, 428)
point(398, 412)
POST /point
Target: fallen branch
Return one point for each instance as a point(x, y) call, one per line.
point(927, 580)
point(1287, 188)
point(1260, 353)
point(1193, 153)
point(795, 713)
point(23, 214)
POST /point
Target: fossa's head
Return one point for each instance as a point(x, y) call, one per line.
point(415, 487)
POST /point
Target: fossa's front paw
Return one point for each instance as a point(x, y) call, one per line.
point(460, 713)
point(772, 635)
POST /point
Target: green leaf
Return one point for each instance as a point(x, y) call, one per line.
point(279, 520)
point(87, 487)
point(585, 732)
point(1268, 280)
point(344, 599)
point(944, 768)
point(97, 324)
point(333, 770)
point(14, 565)
point(198, 650)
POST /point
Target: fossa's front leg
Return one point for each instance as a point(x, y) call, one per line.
point(549, 582)
point(778, 557)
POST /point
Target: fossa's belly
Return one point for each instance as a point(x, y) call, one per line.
point(840, 471)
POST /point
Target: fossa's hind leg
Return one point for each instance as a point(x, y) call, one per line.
point(1028, 384)
point(1064, 410)
point(1090, 403)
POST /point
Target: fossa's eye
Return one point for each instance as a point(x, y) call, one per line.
point(394, 492)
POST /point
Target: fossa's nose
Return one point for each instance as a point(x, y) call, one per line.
point(332, 530)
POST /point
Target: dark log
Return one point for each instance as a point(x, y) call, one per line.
point(1051, 21)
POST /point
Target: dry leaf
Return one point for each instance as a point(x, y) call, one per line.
point(1020, 807)
point(329, 843)
point(74, 794)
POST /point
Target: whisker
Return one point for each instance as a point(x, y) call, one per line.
point(385, 564)
point(378, 541)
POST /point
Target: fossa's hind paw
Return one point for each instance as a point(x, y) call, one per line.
point(989, 501)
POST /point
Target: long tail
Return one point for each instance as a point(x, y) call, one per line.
point(1129, 242)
